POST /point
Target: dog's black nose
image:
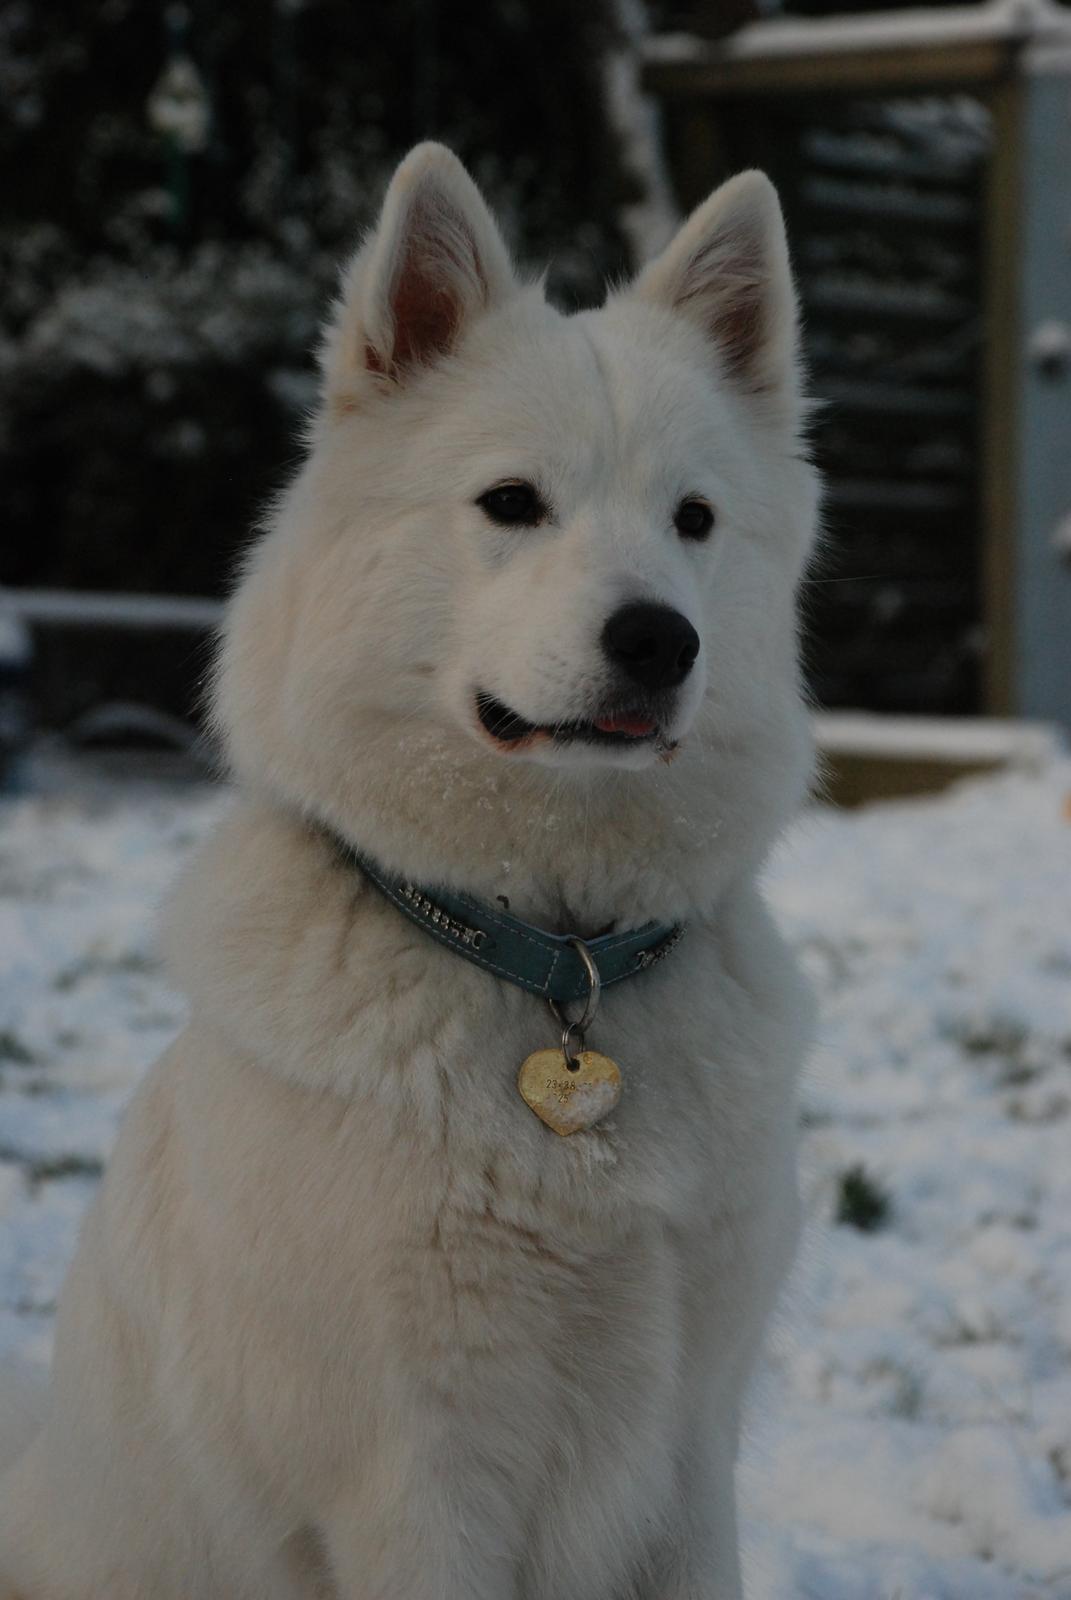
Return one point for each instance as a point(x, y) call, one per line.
point(653, 645)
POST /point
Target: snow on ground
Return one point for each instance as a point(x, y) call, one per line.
point(911, 1437)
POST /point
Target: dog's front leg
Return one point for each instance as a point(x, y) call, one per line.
point(709, 1563)
point(441, 1541)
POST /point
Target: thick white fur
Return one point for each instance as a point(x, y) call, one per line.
point(345, 1319)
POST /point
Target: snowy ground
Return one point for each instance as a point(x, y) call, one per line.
point(912, 1437)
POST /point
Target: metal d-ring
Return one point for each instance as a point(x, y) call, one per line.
point(576, 1030)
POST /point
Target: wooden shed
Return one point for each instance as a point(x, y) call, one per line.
point(924, 159)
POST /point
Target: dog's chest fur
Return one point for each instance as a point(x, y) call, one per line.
point(540, 1310)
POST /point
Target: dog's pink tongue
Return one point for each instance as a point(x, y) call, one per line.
point(627, 723)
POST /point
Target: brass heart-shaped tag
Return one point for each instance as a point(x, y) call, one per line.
point(569, 1099)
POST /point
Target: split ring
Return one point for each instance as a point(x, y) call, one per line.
point(576, 1030)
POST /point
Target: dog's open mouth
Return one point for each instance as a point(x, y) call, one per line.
point(508, 727)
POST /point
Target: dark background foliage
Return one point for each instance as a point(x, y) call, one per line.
point(162, 302)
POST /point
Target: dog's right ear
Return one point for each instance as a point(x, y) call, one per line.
point(435, 260)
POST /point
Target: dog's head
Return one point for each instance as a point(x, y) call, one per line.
point(523, 538)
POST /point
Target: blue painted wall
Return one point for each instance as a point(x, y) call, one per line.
point(1043, 485)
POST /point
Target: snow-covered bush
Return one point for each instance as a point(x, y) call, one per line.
point(180, 187)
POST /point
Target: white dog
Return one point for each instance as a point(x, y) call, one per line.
point(349, 1317)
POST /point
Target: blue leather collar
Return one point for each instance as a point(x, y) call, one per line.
point(544, 963)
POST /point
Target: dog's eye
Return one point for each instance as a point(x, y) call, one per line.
point(694, 519)
point(513, 505)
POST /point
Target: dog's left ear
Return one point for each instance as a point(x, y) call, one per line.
point(435, 260)
point(727, 271)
